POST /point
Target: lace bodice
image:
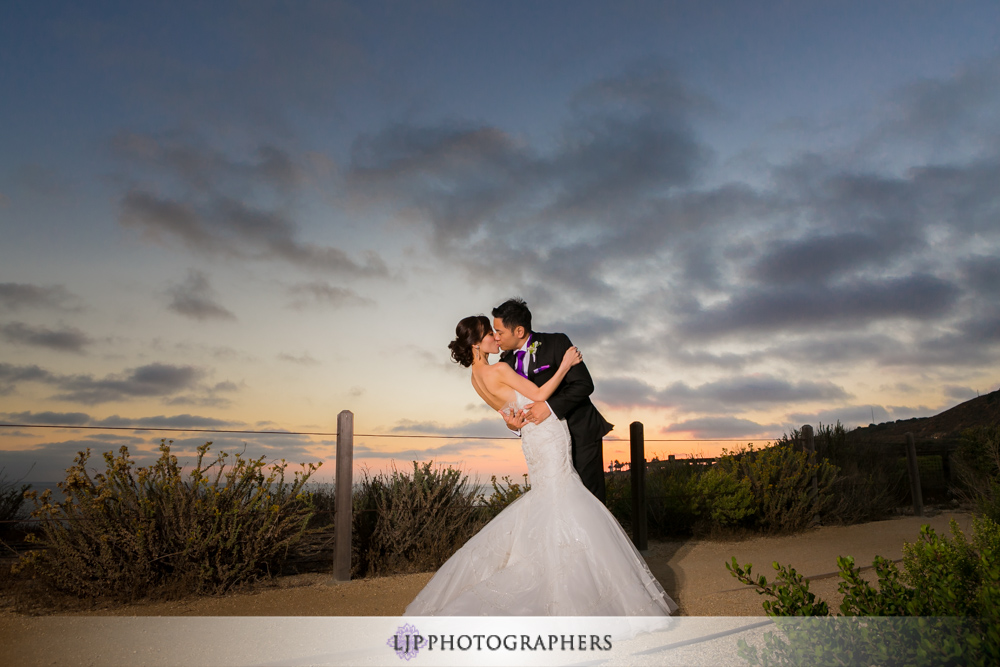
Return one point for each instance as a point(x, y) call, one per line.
point(547, 449)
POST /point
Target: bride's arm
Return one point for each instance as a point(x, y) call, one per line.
point(529, 389)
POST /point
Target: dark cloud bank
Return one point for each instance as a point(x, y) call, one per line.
point(613, 234)
point(173, 384)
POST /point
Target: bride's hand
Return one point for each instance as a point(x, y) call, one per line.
point(572, 357)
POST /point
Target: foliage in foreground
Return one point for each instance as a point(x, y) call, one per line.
point(132, 531)
point(942, 608)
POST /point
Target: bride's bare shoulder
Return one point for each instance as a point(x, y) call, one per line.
point(484, 384)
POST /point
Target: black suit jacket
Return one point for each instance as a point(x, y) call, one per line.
point(571, 399)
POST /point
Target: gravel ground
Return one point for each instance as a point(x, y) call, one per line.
point(692, 571)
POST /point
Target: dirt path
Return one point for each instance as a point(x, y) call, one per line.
point(692, 571)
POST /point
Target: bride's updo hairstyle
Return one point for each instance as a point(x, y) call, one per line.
point(469, 332)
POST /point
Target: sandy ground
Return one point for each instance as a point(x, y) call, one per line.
point(692, 571)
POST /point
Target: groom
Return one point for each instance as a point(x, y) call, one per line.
point(537, 356)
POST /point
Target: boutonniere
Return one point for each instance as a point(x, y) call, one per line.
point(534, 348)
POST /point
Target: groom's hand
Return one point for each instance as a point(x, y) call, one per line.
point(515, 420)
point(536, 413)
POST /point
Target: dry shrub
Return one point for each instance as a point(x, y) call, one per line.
point(870, 483)
point(504, 493)
point(412, 523)
point(11, 506)
point(674, 499)
point(132, 531)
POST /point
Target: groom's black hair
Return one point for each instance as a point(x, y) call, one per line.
point(514, 313)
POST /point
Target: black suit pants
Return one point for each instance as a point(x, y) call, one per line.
point(588, 459)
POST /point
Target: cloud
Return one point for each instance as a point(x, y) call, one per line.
point(84, 419)
point(448, 453)
point(916, 297)
point(15, 296)
point(232, 228)
point(958, 392)
point(48, 417)
point(586, 330)
point(155, 379)
point(303, 360)
point(194, 298)
point(910, 411)
point(318, 293)
point(726, 395)
point(151, 380)
point(66, 339)
point(815, 259)
point(162, 421)
point(971, 341)
point(848, 415)
point(947, 113)
point(488, 427)
point(10, 375)
point(199, 400)
point(723, 427)
point(982, 275)
point(204, 168)
point(216, 205)
point(627, 139)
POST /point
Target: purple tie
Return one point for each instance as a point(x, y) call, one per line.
point(519, 364)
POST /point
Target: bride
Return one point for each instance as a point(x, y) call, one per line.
point(556, 550)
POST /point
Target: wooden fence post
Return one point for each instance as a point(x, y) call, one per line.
point(343, 503)
point(809, 445)
point(637, 469)
point(911, 460)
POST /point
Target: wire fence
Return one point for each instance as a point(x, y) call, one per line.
point(438, 436)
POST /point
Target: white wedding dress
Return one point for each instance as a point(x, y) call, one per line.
point(555, 551)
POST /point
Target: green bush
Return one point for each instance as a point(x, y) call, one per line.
point(768, 490)
point(780, 480)
point(673, 498)
point(412, 523)
point(131, 531)
point(728, 500)
point(948, 589)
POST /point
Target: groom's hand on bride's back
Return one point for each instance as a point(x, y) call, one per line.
point(515, 420)
point(536, 413)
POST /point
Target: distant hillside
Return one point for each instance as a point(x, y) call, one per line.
point(980, 411)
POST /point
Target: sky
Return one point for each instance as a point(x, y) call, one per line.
point(252, 216)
